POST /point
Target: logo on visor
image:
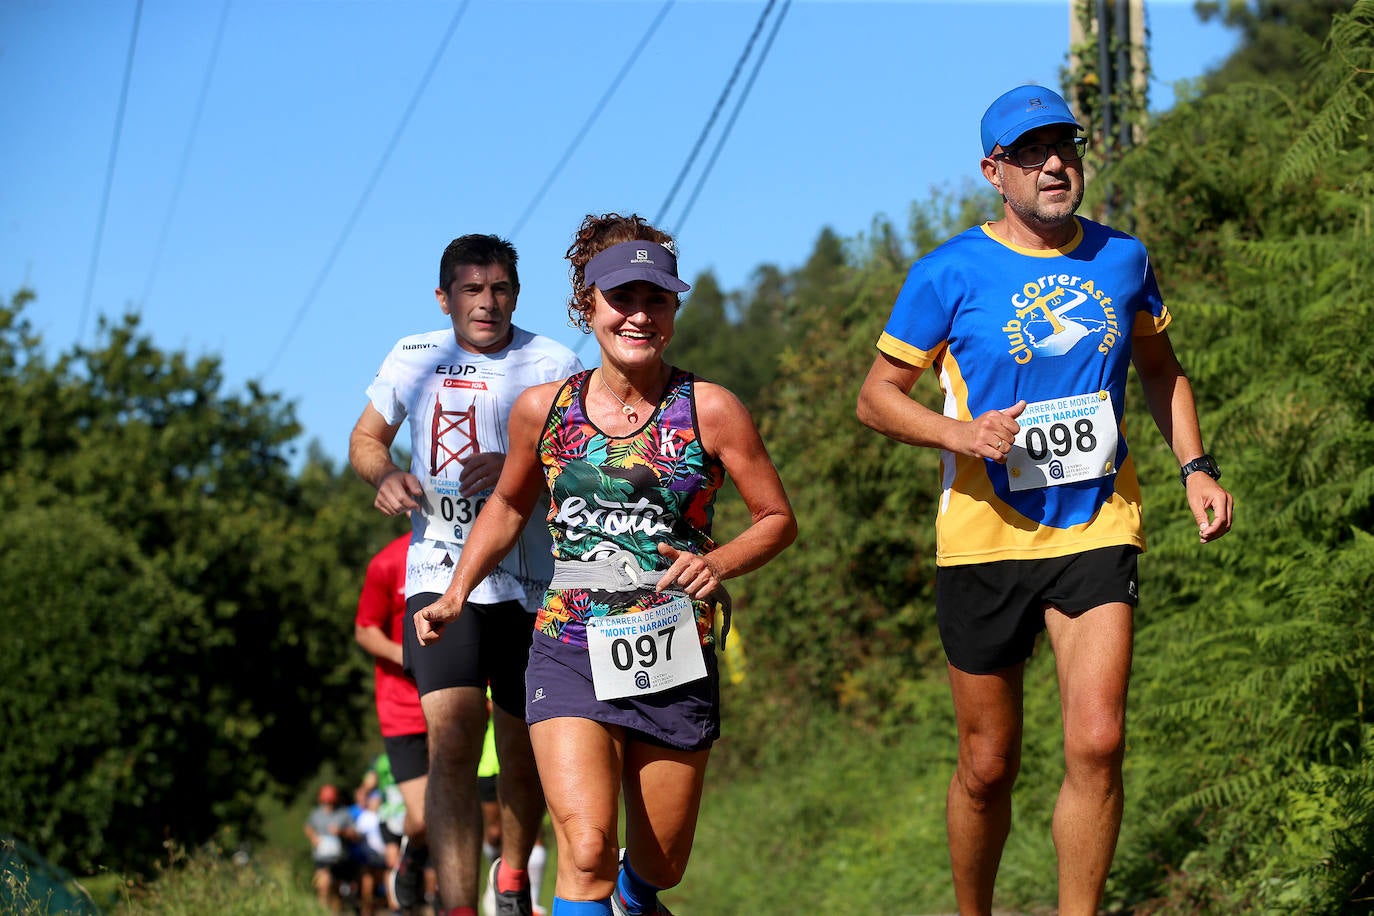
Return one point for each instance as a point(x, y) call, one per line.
point(642, 256)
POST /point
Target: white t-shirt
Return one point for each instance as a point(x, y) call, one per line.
point(458, 404)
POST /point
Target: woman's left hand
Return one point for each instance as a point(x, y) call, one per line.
point(690, 573)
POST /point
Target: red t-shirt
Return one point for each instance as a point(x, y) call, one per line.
point(382, 604)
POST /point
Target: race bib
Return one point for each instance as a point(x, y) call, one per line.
point(1063, 440)
point(449, 516)
point(645, 652)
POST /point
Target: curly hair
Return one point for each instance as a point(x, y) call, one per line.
point(595, 235)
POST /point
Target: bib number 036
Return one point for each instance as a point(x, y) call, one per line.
point(646, 651)
point(449, 518)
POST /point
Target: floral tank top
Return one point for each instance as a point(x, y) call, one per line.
point(656, 485)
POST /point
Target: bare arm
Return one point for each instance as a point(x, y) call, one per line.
point(369, 451)
point(885, 405)
point(1169, 396)
point(502, 518)
point(377, 643)
point(728, 431)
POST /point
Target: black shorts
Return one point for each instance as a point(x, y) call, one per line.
point(991, 613)
point(488, 645)
point(487, 788)
point(389, 838)
point(409, 756)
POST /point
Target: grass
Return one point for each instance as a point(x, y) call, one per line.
point(827, 817)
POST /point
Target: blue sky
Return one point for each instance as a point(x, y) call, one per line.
point(286, 208)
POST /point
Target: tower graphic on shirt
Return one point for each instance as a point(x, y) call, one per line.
point(455, 421)
point(453, 436)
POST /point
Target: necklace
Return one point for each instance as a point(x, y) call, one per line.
point(625, 408)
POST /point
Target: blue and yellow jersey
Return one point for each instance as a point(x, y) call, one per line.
point(1001, 324)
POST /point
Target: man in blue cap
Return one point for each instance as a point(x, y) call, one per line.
point(1031, 322)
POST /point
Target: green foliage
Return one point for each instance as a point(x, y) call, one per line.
point(732, 339)
point(207, 882)
point(1253, 749)
point(842, 819)
point(1275, 37)
point(178, 601)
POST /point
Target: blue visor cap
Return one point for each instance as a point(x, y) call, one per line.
point(635, 260)
point(1023, 108)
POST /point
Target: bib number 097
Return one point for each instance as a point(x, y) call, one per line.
point(645, 647)
point(632, 654)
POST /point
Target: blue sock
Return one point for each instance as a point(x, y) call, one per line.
point(563, 907)
point(637, 894)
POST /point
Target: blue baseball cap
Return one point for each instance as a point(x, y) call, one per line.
point(634, 260)
point(1023, 108)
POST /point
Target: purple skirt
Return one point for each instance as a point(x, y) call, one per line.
point(558, 683)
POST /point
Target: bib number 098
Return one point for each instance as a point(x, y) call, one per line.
point(1060, 439)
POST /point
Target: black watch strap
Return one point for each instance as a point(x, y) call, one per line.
point(1206, 464)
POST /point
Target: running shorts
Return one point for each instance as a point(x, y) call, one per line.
point(991, 613)
point(489, 644)
point(409, 756)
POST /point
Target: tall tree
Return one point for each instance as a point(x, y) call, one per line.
point(179, 601)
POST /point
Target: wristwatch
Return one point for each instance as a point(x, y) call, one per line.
point(1206, 464)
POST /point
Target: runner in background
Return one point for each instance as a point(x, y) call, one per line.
point(401, 773)
point(454, 387)
point(329, 828)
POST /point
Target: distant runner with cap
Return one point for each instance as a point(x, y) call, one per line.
point(456, 386)
point(1032, 321)
point(623, 687)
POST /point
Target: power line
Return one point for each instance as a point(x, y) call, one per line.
point(720, 103)
point(186, 153)
point(367, 190)
point(109, 174)
point(591, 119)
point(729, 125)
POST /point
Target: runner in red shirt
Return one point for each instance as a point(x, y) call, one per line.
point(378, 627)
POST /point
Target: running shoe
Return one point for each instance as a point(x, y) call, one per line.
point(489, 898)
point(408, 878)
point(618, 907)
point(510, 903)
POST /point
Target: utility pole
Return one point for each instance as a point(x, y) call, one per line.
point(1108, 78)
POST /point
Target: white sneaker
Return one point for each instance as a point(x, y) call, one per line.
point(489, 896)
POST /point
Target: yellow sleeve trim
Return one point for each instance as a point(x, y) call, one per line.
point(905, 352)
point(1147, 325)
